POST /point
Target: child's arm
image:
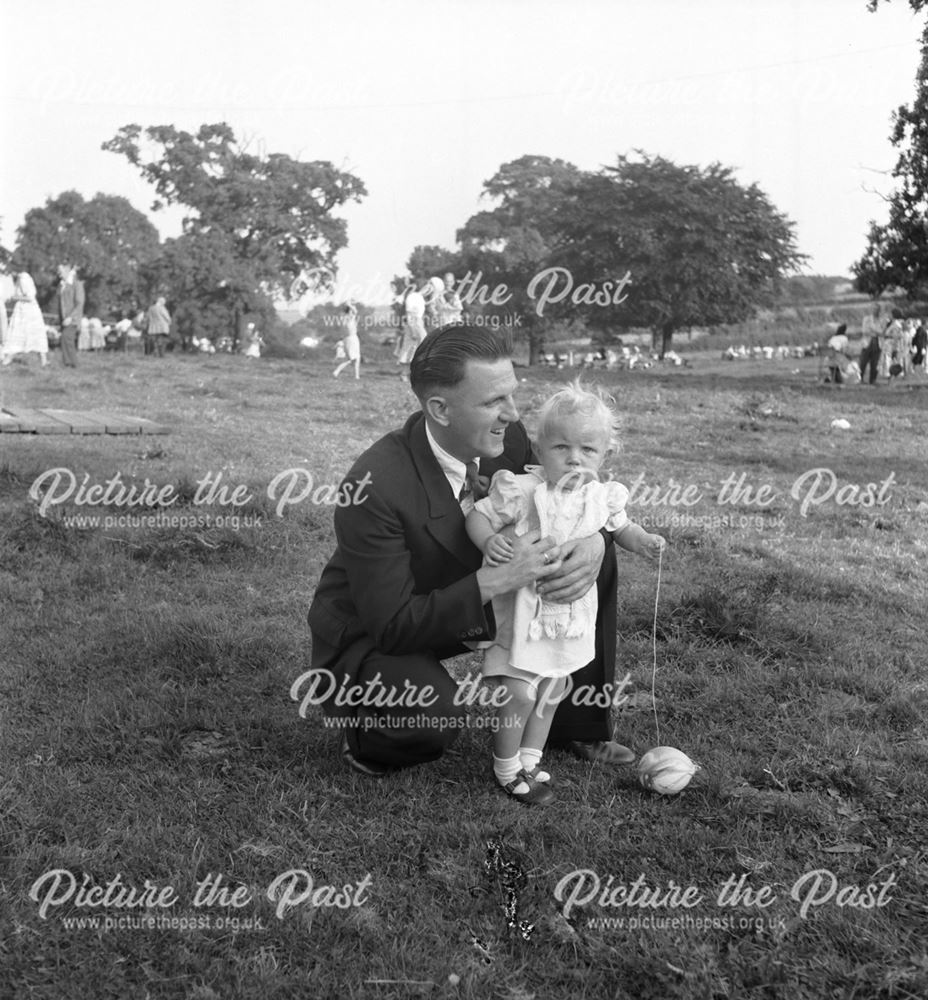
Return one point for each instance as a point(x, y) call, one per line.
point(497, 548)
point(633, 538)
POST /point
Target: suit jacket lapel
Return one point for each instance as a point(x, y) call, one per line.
point(446, 520)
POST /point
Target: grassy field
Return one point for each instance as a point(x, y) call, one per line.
point(153, 766)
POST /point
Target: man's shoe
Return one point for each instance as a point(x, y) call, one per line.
point(600, 751)
point(538, 794)
point(370, 768)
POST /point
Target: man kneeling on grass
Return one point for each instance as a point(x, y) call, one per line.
point(405, 588)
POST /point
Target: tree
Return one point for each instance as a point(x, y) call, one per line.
point(517, 239)
point(426, 262)
point(209, 290)
point(110, 241)
point(897, 251)
point(274, 213)
point(650, 243)
point(644, 243)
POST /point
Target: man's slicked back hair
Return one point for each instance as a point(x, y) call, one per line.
point(441, 359)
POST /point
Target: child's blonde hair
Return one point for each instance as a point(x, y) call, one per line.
point(577, 400)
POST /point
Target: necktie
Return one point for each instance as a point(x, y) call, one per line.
point(471, 485)
point(475, 486)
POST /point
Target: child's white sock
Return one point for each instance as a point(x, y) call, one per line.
point(506, 769)
point(530, 760)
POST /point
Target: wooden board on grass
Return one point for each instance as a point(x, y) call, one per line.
point(80, 423)
point(144, 426)
point(20, 420)
point(124, 425)
point(35, 421)
point(9, 424)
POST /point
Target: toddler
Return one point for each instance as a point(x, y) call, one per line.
point(538, 644)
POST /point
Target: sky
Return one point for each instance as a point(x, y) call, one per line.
point(425, 99)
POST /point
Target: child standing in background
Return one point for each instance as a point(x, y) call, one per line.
point(351, 345)
point(538, 645)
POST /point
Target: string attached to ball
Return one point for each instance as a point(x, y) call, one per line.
point(664, 770)
point(657, 596)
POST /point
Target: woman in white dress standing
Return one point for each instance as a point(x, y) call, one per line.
point(27, 326)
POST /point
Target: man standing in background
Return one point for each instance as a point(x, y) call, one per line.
point(870, 355)
point(70, 312)
point(159, 325)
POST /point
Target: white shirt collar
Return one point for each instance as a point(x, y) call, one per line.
point(454, 469)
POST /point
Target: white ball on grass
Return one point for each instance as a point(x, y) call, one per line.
point(665, 770)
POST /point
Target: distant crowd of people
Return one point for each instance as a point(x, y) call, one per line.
point(27, 332)
point(421, 308)
point(434, 304)
point(893, 347)
point(767, 353)
point(619, 357)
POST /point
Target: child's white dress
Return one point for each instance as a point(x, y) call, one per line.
point(534, 638)
point(351, 341)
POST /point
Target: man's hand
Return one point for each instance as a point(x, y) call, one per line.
point(579, 567)
point(533, 558)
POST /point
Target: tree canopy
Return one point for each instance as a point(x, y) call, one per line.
point(255, 222)
point(274, 212)
point(644, 243)
point(916, 5)
point(210, 289)
point(690, 246)
point(501, 249)
point(108, 239)
point(896, 255)
point(424, 262)
point(522, 234)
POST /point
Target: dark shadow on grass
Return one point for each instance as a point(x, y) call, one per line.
point(25, 533)
point(176, 546)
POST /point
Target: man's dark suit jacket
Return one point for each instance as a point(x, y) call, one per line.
point(71, 302)
point(402, 578)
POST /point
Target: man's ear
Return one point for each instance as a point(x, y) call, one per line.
point(437, 408)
